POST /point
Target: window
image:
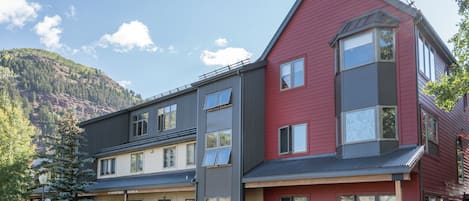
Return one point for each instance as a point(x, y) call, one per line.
point(167, 117)
point(218, 99)
point(108, 166)
point(367, 198)
point(368, 47)
point(429, 128)
point(136, 162)
point(218, 199)
point(139, 124)
point(169, 155)
point(292, 74)
point(292, 139)
point(190, 154)
point(369, 124)
point(433, 198)
point(294, 198)
point(217, 148)
point(460, 160)
point(426, 60)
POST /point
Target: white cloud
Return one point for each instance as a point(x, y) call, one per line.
point(221, 42)
point(16, 13)
point(129, 36)
point(225, 56)
point(49, 32)
point(124, 83)
point(172, 49)
point(71, 12)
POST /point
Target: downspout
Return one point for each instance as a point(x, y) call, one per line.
point(241, 133)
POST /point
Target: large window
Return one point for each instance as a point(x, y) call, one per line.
point(429, 128)
point(217, 148)
point(294, 198)
point(367, 198)
point(292, 139)
point(136, 162)
point(292, 74)
point(167, 117)
point(169, 157)
point(190, 154)
point(108, 166)
point(372, 46)
point(426, 59)
point(460, 160)
point(140, 124)
point(218, 100)
point(370, 124)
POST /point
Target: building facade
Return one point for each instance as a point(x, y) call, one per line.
point(332, 110)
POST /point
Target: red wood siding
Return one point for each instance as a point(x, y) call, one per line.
point(332, 192)
point(307, 35)
point(440, 171)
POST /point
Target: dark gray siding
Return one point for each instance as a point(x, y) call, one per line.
point(220, 181)
point(107, 133)
point(253, 118)
point(186, 114)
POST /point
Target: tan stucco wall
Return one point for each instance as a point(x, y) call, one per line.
point(178, 196)
point(256, 194)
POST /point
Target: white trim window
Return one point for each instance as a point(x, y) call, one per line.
point(136, 162)
point(108, 166)
point(218, 100)
point(140, 124)
point(426, 59)
point(169, 157)
point(293, 139)
point(190, 154)
point(167, 117)
point(294, 198)
point(368, 47)
point(217, 148)
point(292, 74)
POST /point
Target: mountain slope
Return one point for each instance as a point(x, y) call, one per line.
point(50, 84)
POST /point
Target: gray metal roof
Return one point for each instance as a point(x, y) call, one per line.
point(400, 161)
point(159, 180)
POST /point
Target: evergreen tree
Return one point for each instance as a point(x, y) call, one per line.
point(67, 162)
point(449, 90)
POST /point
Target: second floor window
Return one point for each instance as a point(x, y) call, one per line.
point(429, 128)
point(140, 124)
point(460, 160)
point(108, 166)
point(217, 148)
point(167, 117)
point(294, 198)
point(190, 154)
point(426, 59)
point(292, 74)
point(169, 157)
point(136, 162)
point(218, 100)
point(293, 139)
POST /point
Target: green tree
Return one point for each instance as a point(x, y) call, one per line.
point(451, 88)
point(67, 163)
point(16, 149)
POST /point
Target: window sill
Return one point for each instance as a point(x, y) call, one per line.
point(218, 166)
point(219, 108)
point(293, 88)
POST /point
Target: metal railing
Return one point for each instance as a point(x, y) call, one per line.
point(172, 91)
point(224, 69)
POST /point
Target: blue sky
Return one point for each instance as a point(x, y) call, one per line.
point(153, 46)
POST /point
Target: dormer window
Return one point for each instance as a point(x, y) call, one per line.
point(372, 46)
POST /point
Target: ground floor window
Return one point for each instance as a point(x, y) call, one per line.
point(367, 198)
point(294, 198)
point(433, 198)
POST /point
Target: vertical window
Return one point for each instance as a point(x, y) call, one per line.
point(386, 44)
point(190, 154)
point(460, 160)
point(108, 166)
point(294, 198)
point(218, 99)
point(429, 128)
point(136, 162)
point(140, 124)
point(426, 60)
point(292, 139)
point(167, 117)
point(389, 122)
point(421, 55)
point(169, 157)
point(217, 148)
point(292, 74)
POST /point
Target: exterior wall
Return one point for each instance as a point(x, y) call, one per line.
point(440, 170)
point(254, 194)
point(152, 161)
point(107, 133)
point(307, 35)
point(185, 115)
point(179, 196)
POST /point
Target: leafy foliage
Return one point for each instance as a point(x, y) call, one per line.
point(451, 88)
point(67, 163)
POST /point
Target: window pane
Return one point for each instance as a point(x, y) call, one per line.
point(134, 129)
point(358, 50)
point(133, 163)
point(298, 73)
point(432, 66)
point(139, 161)
point(113, 166)
point(211, 140)
point(286, 199)
point(347, 198)
point(300, 199)
point(211, 199)
point(211, 101)
point(389, 123)
point(387, 198)
point(421, 55)
point(160, 111)
point(225, 97)
point(225, 138)
point(284, 141)
point(299, 138)
point(209, 157)
point(190, 154)
point(169, 155)
point(432, 129)
point(223, 156)
point(144, 126)
point(224, 199)
point(103, 165)
point(460, 159)
point(360, 125)
point(139, 128)
point(386, 44)
point(285, 76)
point(173, 119)
point(366, 198)
point(423, 126)
point(167, 121)
point(427, 63)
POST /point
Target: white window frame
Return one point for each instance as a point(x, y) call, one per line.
point(137, 163)
point(218, 104)
point(291, 137)
point(290, 64)
point(218, 148)
point(189, 163)
point(138, 120)
point(108, 170)
point(169, 162)
point(428, 70)
point(165, 112)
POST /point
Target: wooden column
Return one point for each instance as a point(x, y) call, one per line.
point(126, 196)
point(398, 189)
